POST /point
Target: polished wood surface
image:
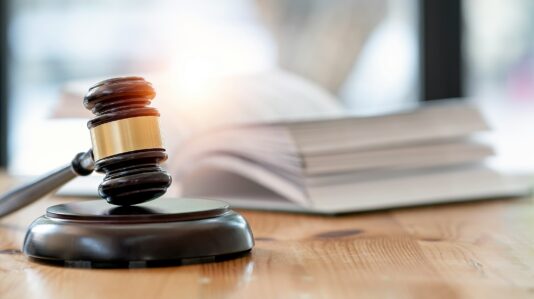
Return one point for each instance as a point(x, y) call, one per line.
point(469, 250)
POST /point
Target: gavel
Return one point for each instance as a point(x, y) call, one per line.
point(130, 228)
point(126, 146)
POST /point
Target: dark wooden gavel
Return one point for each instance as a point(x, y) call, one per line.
point(126, 146)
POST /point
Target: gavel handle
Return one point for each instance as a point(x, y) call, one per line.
point(82, 164)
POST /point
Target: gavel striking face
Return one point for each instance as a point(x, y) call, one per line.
point(127, 144)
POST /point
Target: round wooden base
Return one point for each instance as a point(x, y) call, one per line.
point(163, 231)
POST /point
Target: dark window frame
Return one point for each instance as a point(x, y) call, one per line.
point(4, 82)
point(440, 37)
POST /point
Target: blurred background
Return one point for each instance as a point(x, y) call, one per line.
point(366, 56)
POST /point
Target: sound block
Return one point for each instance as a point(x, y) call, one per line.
point(166, 230)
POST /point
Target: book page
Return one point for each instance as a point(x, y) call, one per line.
point(424, 187)
point(408, 156)
point(434, 122)
point(218, 175)
point(263, 97)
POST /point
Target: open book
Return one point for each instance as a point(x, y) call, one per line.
point(252, 148)
point(345, 164)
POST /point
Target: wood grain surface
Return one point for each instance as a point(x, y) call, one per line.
point(468, 250)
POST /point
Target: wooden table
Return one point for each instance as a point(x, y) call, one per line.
point(470, 250)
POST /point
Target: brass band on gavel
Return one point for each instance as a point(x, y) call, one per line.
point(126, 135)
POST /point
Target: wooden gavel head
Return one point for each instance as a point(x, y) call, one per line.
point(127, 144)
